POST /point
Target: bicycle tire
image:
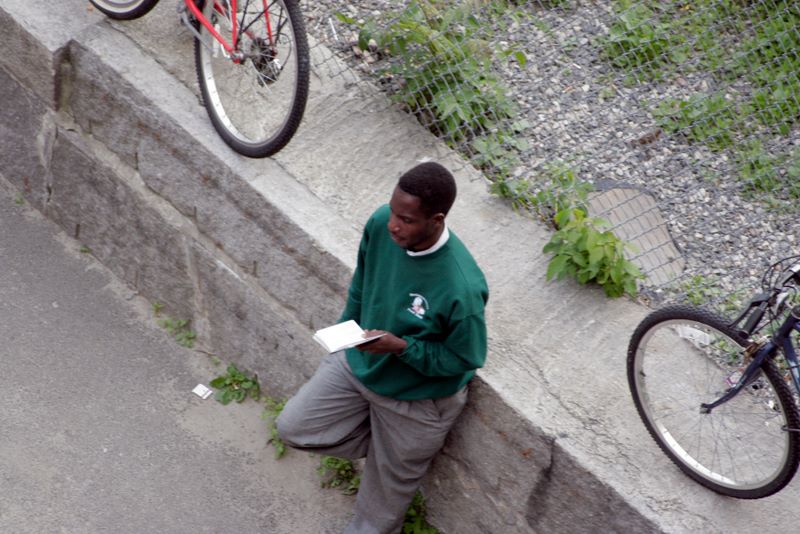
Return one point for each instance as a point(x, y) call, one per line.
point(124, 9)
point(680, 357)
point(256, 106)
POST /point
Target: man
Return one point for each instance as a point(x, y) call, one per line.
point(393, 400)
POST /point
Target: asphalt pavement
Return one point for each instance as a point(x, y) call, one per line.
point(101, 431)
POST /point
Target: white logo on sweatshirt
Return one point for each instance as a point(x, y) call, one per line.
point(419, 305)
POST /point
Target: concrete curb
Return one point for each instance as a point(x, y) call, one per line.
point(103, 137)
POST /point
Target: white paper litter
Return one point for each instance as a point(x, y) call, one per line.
point(202, 391)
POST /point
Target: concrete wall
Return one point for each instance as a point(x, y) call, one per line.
point(106, 138)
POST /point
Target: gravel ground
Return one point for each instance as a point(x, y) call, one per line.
point(582, 112)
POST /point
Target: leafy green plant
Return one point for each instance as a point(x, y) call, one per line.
point(564, 191)
point(179, 329)
point(793, 170)
point(699, 290)
point(415, 520)
point(339, 473)
point(443, 74)
point(757, 169)
point(580, 246)
point(235, 386)
point(651, 39)
point(777, 104)
point(497, 152)
point(583, 250)
point(771, 61)
point(556, 189)
point(764, 174)
point(638, 40)
point(19, 200)
point(708, 119)
point(538, 3)
point(709, 26)
point(272, 409)
point(517, 191)
point(723, 351)
point(707, 291)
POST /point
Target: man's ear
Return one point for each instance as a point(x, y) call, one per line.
point(438, 218)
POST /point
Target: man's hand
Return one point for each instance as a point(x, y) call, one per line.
point(388, 344)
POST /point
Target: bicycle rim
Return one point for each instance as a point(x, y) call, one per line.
point(124, 9)
point(681, 357)
point(255, 105)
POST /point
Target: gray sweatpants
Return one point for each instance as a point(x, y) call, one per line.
point(334, 414)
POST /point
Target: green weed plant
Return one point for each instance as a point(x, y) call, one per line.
point(581, 246)
point(342, 474)
point(179, 329)
point(415, 520)
point(442, 65)
point(708, 119)
point(752, 46)
point(701, 290)
point(771, 60)
point(556, 189)
point(235, 385)
point(272, 409)
point(638, 42)
point(772, 177)
point(584, 250)
point(339, 473)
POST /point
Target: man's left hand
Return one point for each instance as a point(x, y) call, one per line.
point(388, 344)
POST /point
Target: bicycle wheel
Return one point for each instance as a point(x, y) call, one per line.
point(124, 9)
point(680, 357)
point(256, 104)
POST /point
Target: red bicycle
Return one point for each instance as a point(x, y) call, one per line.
point(252, 64)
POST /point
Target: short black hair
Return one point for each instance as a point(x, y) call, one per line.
point(432, 184)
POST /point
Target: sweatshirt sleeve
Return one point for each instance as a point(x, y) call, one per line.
point(463, 350)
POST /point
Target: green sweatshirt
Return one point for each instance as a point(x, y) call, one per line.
point(434, 302)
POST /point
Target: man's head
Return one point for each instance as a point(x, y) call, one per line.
point(419, 204)
point(432, 184)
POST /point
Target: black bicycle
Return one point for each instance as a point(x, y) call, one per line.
point(719, 397)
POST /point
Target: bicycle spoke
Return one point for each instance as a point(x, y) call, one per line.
point(256, 18)
point(742, 446)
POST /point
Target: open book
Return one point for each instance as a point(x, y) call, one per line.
point(342, 336)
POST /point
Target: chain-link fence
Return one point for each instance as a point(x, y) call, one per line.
point(673, 121)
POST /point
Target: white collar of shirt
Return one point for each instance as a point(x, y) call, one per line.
point(439, 244)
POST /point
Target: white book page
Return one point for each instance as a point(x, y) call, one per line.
point(342, 336)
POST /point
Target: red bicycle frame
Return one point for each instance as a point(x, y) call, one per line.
point(219, 7)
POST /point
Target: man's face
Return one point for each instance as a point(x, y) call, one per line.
point(408, 225)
